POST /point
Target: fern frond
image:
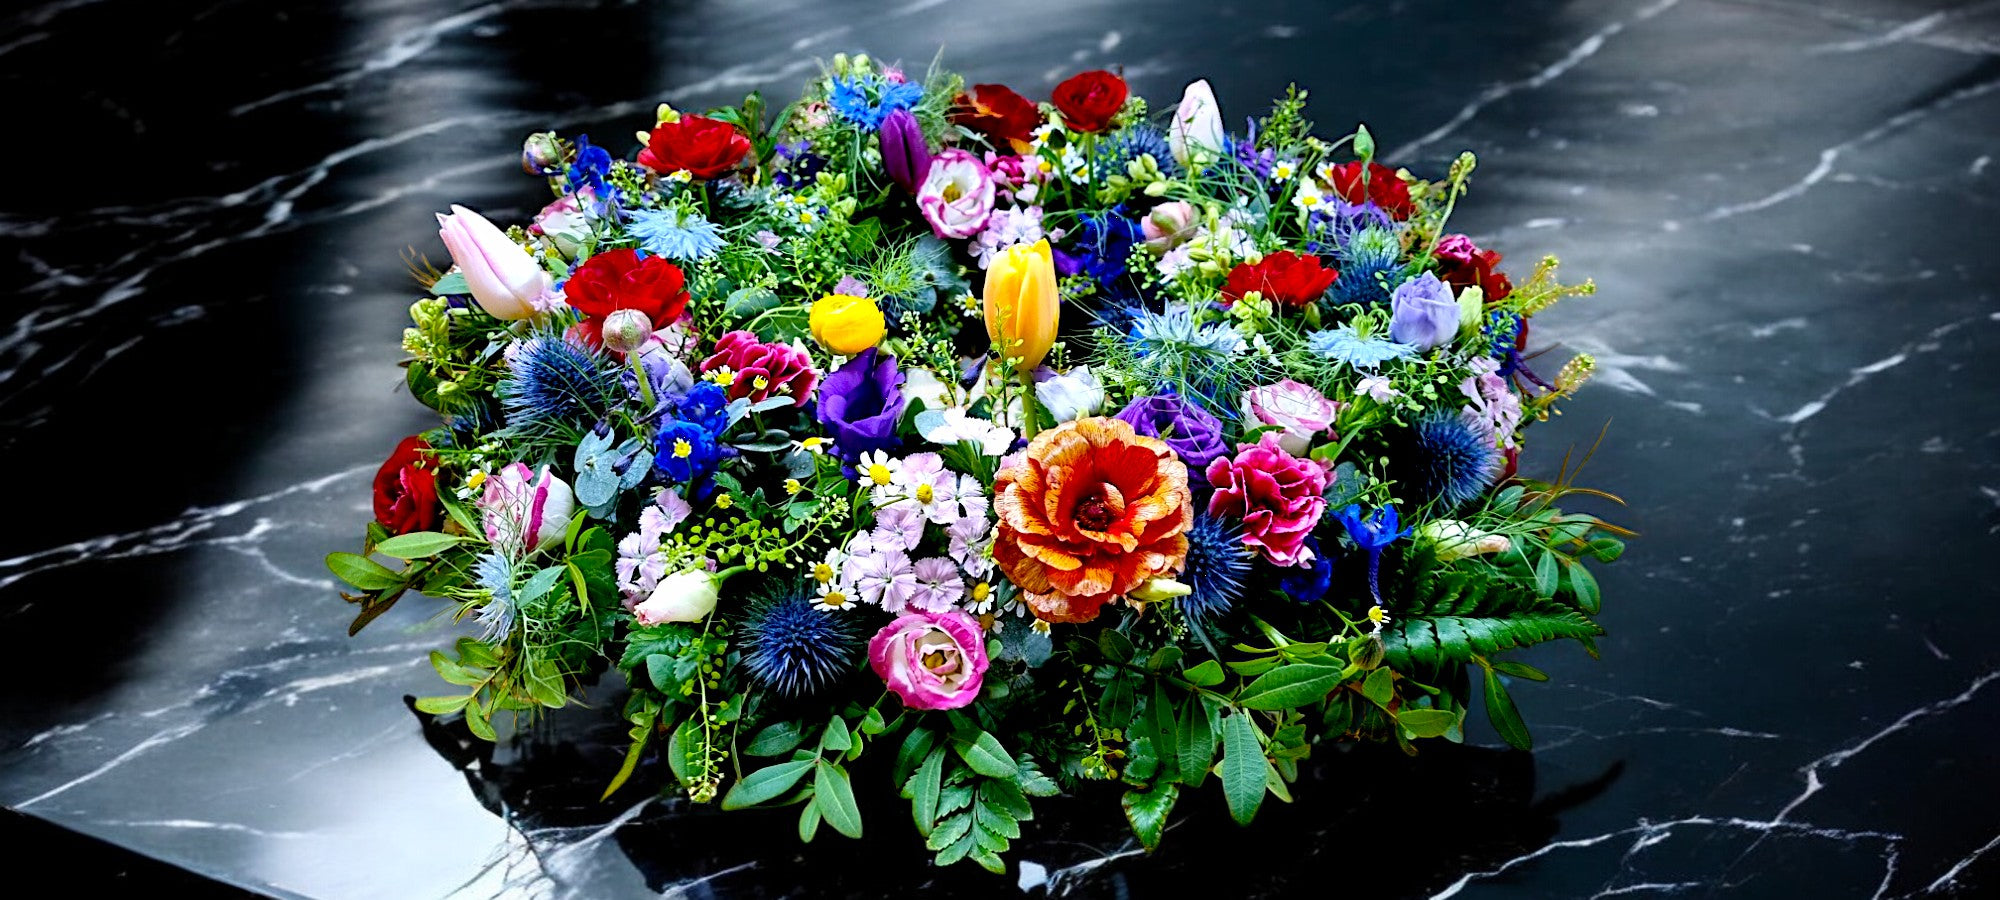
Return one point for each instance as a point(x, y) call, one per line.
point(1427, 643)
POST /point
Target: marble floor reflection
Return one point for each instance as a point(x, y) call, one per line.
point(1788, 208)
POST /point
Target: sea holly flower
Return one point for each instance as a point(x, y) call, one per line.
point(1091, 511)
point(1372, 533)
point(1278, 497)
point(931, 660)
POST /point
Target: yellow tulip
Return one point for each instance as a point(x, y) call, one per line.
point(1021, 300)
point(846, 325)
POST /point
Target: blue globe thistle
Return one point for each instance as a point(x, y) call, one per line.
point(1142, 139)
point(1217, 566)
point(796, 650)
point(1370, 254)
point(555, 385)
point(1442, 459)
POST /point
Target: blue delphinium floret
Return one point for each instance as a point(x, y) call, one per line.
point(589, 168)
point(555, 384)
point(866, 100)
point(1372, 533)
point(677, 234)
point(796, 650)
point(1442, 459)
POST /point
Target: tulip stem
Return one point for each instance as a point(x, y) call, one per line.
point(1028, 412)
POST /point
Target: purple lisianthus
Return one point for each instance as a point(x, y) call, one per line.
point(1422, 313)
point(1194, 434)
point(860, 402)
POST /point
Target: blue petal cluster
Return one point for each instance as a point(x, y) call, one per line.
point(676, 234)
point(689, 443)
point(866, 100)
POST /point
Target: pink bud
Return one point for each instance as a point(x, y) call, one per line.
point(502, 277)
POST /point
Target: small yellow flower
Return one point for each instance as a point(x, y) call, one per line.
point(806, 218)
point(793, 487)
point(823, 573)
point(813, 445)
point(722, 501)
point(1039, 626)
point(1378, 616)
point(723, 376)
point(879, 474)
point(477, 478)
point(760, 382)
point(682, 449)
point(926, 493)
point(981, 591)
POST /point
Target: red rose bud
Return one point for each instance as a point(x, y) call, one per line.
point(996, 111)
point(1088, 100)
point(1380, 187)
point(1284, 278)
point(405, 493)
point(698, 145)
point(904, 152)
point(620, 279)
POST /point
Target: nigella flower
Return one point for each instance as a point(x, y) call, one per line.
point(1343, 343)
point(1218, 564)
point(1369, 256)
point(677, 234)
point(495, 574)
point(1173, 334)
point(1443, 459)
point(1372, 533)
point(866, 100)
point(554, 384)
point(1142, 139)
point(796, 650)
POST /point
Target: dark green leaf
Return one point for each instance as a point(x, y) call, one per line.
point(1147, 812)
point(923, 789)
point(985, 755)
point(916, 746)
point(1425, 723)
point(1506, 719)
point(362, 572)
point(1546, 575)
point(1291, 686)
point(834, 795)
point(1163, 658)
point(766, 784)
point(1519, 670)
point(1116, 647)
point(776, 739)
point(1584, 586)
point(1243, 767)
point(660, 668)
point(1195, 742)
point(417, 545)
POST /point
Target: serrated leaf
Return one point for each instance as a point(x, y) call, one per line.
point(1292, 686)
point(766, 784)
point(362, 572)
point(923, 790)
point(949, 833)
point(776, 739)
point(834, 795)
point(1005, 796)
point(1147, 812)
point(996, 820)
point(1243, 767)
point(954, 797)
point(985, 755)
point(417, 545)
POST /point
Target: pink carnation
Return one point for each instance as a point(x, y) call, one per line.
point(931, 660)
point(763, 370)
point(1279, 497)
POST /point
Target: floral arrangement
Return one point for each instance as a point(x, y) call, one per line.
point(1024, 444)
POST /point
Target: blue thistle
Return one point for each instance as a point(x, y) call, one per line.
point(1443, 459)
point(1142, 139)
point(1370, 254)
point(796, 650)
point(553, 384)
point(1217, 566)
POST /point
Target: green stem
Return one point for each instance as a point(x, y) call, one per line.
point(1028, 427)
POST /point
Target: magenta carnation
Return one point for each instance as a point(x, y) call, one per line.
point(1279, 497)
point(931, 660)
point(763, 370)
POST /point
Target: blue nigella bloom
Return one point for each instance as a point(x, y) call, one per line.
point(866, 100)
point(493, 572)
point(1442, 459)
point(1100, 247)
point(1217, 567)
point(677, 234)
point(1343, 343)
point(796, 650)
point(592, 162)
point(1372, 533)
point(554, 384)
point(1172, 333)
point(1310, 582)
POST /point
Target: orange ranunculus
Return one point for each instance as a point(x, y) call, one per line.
point(1089, 513)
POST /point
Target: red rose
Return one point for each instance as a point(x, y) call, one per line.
point(996, 111)
point(1284, 278)
point(1088, 100)
point(1462, 264)
point(701, 146)
point(619, 279)
point(1383, 188)
point(405, 494)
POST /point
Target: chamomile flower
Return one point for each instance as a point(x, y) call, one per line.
point(877, 470)
point(833, 596)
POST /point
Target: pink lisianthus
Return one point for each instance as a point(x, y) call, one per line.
point(763, 370)
point(957, 195)
point(1279, 497)
point(1298, 409)
point(931, 660)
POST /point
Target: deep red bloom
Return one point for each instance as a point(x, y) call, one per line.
point(761, 370)
point(619, 279)
point(1284, 278)
point(1462, 264)
point(704, 147)
point(405, 494)
point(1088, 100)
point(1383, 189)
point(996, 111)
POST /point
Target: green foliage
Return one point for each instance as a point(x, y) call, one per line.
point(1426, 643)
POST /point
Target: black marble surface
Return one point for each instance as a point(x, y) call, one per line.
point(1788, 206)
